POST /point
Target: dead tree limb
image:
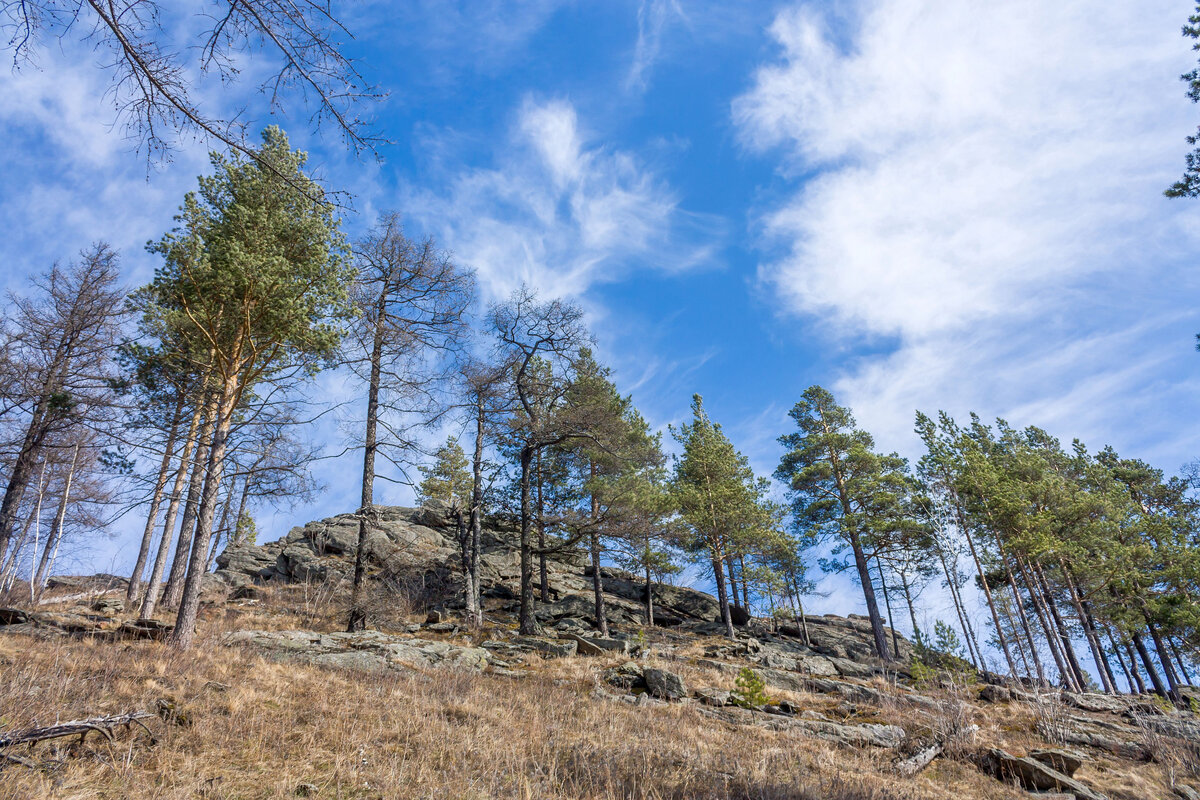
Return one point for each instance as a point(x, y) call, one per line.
point(102, 725)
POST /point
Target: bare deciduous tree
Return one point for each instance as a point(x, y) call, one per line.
point(61, 345)
point(412, 300)
point(155, 79)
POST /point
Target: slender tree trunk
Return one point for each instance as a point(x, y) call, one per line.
point(887, 602)
point(462, 534)
point(153, 585)
point(1089, 634)
point(1063, 635)
point(956, 597)
point(1106, 665)
point(991, 601)
point(475, 601)
point(800, 606)
point(31, 445)
point(864, 577)
point(1164, 658)
point(912, 613)
point(189, 605)
point(598, 585)
point(527, 623)
point(1116, 651)
point(52, 541)
point(543, 567)
point(1043, 616)
point(1033, 653)
point(223, 530)
point(722, 597)
point(649, 588)
point(160, 485)
point(1133, 667)
point(597, 577)
point(731, 573)
point(9, 574)
point(745, 584)
point(191, 509)
point(1179, 660)
point(357, 618)
point(1148, 663)
point(37, 528)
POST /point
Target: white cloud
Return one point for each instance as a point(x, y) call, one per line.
point(982, 203)
point(652, 18)
point(561, 212)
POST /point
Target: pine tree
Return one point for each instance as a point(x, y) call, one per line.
point(252, 290)
point(838, 486)
point(448, 479)
point(717, 495)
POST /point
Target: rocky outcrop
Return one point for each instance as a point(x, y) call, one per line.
point(361, 650)
point(1032, 774)
point(416, 548)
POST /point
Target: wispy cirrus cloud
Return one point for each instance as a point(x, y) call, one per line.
point(981, 196)
point(561, 212)
point(653, 16)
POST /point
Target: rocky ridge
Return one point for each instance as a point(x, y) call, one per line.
point(827, 686)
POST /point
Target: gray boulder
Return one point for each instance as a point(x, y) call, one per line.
point(1067, 762)
point(664, 684)
point(549, 648)
point(1032, 774)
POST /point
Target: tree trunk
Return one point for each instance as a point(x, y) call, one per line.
point(968, 632)
point(37, 527)
point(543, 567)
point(1179, 660)
point(864, 577)
point(160, 485)
point(597, 577)
point(1148, 663)
point(800, 606)
point(187, 528)
point(722, 597)
point(189, 606)
point(991, 602)
point(1133, 668)
point(22, 469)
point(223, 529)
point(9, 573)
point(52, 541)
point(1025, 626)
point(1063, 635)
point(733, 583)
point(1106, 665)
point(649, 589)
point(1116, 651)
point(527, 623)
point(1164, 658)
point(153, 585)
point(912, 614)
point(1064, 672)
point(475, 601)
point(887, 603)
point(357, 618)
point(1089, 634)
point(598, 585)
point(745, 584)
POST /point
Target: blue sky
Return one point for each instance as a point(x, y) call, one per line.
point(916, 205)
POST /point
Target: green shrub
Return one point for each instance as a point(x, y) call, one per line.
point(749, 690)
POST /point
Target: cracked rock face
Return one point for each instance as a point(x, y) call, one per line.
point(420, 543)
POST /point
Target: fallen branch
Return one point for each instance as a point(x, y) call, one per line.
point(911, 766)
point(82, 727)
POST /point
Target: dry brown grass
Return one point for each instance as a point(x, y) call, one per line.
point(261, 728)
